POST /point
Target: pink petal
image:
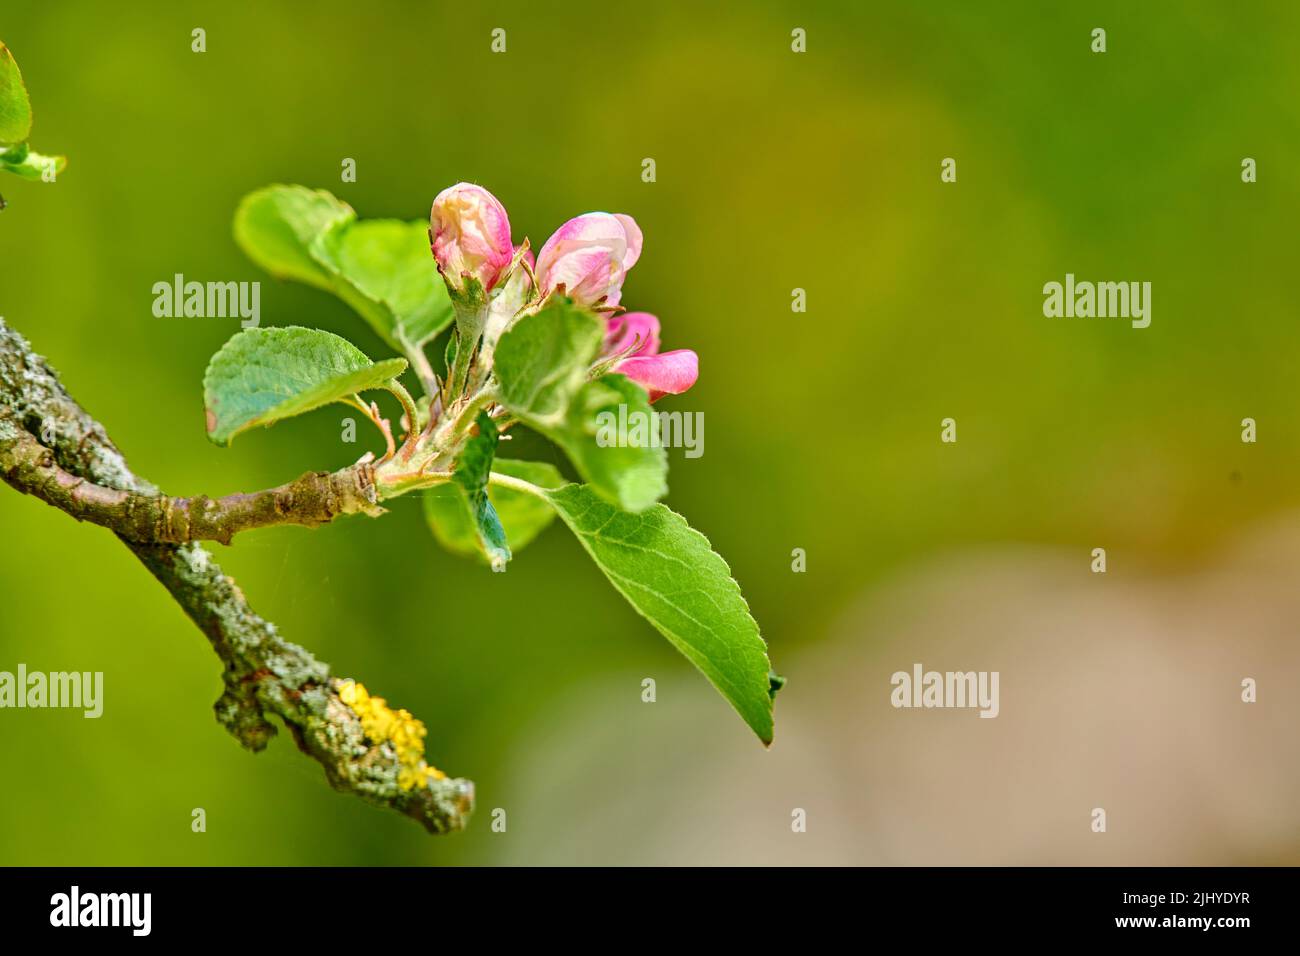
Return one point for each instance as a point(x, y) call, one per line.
point(632, 328)
point(668, 373)
point(633, 233)
point(585, 274)
point(589, 229)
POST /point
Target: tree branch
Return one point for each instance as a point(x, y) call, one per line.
point(263, 673)
point(314, 499)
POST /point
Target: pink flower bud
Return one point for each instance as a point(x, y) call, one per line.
point(633, 338)
point(590, 256)
point(470, 232)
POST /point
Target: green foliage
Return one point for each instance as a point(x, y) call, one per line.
point(523, 516)
point(541, 368)
point(632, 476)
point(670, 574)
point(276, 226)
point(381, 267)
point(15, 108)
point(262, 376)
point(542, 361)
point(25, 164)
point(471, 476)
point(16, 125)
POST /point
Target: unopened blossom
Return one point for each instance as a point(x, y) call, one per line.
point(470, 233)
point(590, 255)
point(632, 340)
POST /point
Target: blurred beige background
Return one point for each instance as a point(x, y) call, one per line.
point(1119, 690)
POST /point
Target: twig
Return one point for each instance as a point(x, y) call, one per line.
point(412, 417)
point(420, 363)
point(315, 498)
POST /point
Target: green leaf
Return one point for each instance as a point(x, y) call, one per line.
point(15, 108)
point(523, 515)
point(277, 225)
point(383, 268)
point(26, 164)
point(263, 375)
point(633, 476)
point(541, 367)
point(670, 574)
point(543, 359)
point(471, 476)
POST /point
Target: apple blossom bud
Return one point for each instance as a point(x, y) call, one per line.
point(470, 234)
point(590, 255)
point(632, 344)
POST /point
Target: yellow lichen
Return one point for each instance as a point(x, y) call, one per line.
point(398, 728)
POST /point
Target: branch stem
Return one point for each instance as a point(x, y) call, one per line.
point(446, 435)
point(517, 484)
point(420, 363)
point(412, 419)
point(313, 499)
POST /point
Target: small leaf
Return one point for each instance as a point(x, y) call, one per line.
point(31, 165)
point(541, 367)
point(265, 374)
point(542, 360)
point(471, 475)
point(523, 516)
point(383, 268)
point(670, 574)
point(633, 476)
point(277, 225)
point(15, 108)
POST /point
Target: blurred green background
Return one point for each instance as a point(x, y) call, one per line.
point(775, 170)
